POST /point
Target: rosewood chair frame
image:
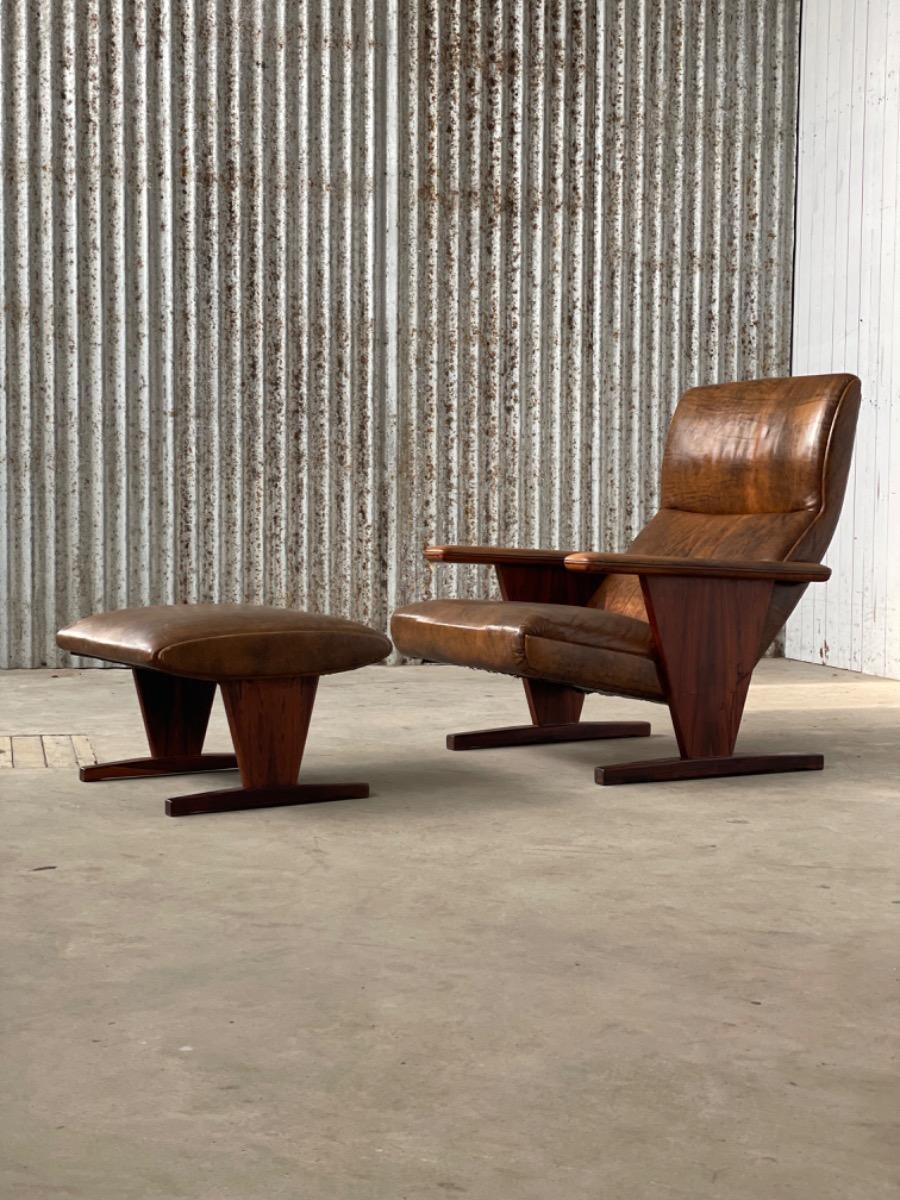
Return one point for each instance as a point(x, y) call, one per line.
point(707, 619)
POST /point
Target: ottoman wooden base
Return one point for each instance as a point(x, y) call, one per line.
point(269, 720)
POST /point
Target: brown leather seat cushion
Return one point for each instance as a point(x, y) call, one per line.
point(226, 641)
point(584, 647)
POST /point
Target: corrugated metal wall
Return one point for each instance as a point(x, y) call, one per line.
point(292, 288)
point(847, 315)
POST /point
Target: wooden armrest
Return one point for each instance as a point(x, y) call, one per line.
point(538, 576)
point(703, 568)
point(496, 556)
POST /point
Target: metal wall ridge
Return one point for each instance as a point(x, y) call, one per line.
point(292, 288)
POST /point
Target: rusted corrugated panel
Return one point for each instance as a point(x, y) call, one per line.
point(292, 288)
point(608, 209)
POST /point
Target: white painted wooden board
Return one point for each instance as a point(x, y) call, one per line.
point(847, 314)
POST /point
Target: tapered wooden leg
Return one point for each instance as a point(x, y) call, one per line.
point(175, 711)
point(555, 711)
point(269, 720)
point(552, 703)
point(176, 714)
point(707, 634)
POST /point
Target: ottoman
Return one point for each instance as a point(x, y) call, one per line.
point(267, 662)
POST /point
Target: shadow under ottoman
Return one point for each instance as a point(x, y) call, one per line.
point(267, 662)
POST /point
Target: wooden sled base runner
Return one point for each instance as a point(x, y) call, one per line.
point(555, 712)
point(667, 770)
point(236, 799)
point(536, 735)
point(555, 718)
point(179, 654)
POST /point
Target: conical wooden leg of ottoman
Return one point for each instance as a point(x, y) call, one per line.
point(176, 714)
point(269, 720)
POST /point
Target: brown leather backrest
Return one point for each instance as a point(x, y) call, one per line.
point(751, 470)
point(755, 447)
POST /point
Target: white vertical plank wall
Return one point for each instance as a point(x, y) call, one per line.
point(847, 314)
point(294, 286)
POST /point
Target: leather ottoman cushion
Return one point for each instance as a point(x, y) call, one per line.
point(589, 648)
point(226, 641)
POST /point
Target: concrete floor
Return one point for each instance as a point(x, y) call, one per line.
point(491, 979)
